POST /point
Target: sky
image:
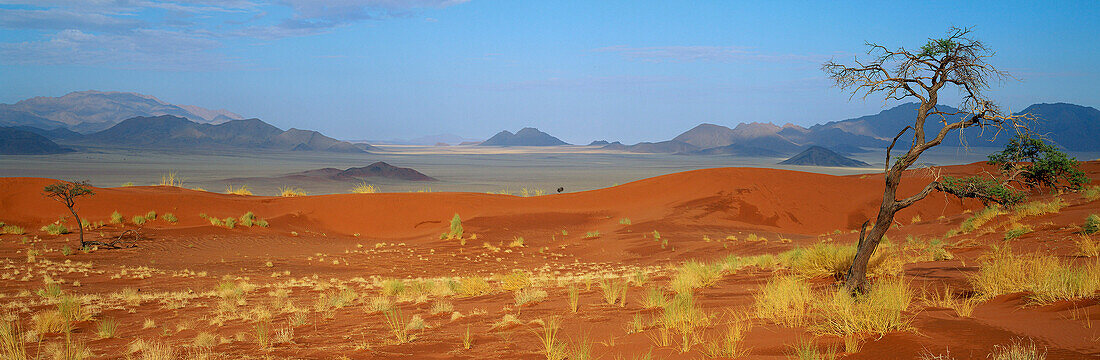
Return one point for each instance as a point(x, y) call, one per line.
point(581, 70)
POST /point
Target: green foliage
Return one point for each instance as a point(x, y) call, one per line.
point(55, 229)
point(151, 215)
point(170, 217)
point(984, 189)
point(1092, 224)
point(1039, 164)
point(138, 220)
point(456, 230)
point(116, 218)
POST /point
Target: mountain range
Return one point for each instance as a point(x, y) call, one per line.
point(1072, 127)
point(17, 141)
point(173, 132)
point(819, 156)
point(91, 111)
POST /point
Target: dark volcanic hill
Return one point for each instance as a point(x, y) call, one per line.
point(378, 170)
point(524, 137)
point(820, 156)
point(174, 132)
point(14, 141)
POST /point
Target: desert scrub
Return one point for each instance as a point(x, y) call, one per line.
point(138, 220)
point(171, 178)
point(12, 345)
point(286, 191)
point(397, 324)
point(1091, 225)
point(516, 280)
point(473, 286)
point(878, 311)
point(1086, 246)
point(624, 221)
point(978, 220)
point(529, 296)
point(681, 315)
point(614, 290)
point(242, 190)
point(1046, 278)
point(1017, 350)
point(249, 220)
point(169, 217)
point(455, 231)
point(552, 348)
point(692, 275)
point(106, 328)
point(1039, 208)
point(592, 234)
point(55, 229)
point(784, 300)
point(151, 215)
point(1016, 230)
point(116, 218)
point(826, 259)
point(946, 299)
point(364, 188)
point(11, 229)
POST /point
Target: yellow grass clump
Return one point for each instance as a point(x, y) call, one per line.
point(287, 191)
point(171, 178)
point(1046, 278)
point(784, 300)
point(242, 190)
point(364, 188)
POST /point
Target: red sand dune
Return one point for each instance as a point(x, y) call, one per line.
point(330, 238)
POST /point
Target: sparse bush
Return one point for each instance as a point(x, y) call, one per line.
point(12, 229)
point(784, 300)
point(55, 229)
point(1035, 208)
point(1086, 246)
point(138, 220)
point(574, 297)
point(106, 328)
point(397, 325)
point(474, 286)
point(516, 280)
point(592, 234)
point(230, 222)
point(1092, 224)
point(242, 190)
point(151, 215)
point(1017, 350)
point(1017, 230)
point(1047, 278)
point(936, 250)
point(877, 311)
point(692, 275)
point(624, 221)
point(1092, 193)
point(171, 179)
point(116, 218)
point(287, 191)
point(49, 322)
point(529, 295)
point(12, 345)
point(517, 242)
point(169, 217)
point(456, 230)
point(683, 316)
point(364, 188)
point(729, 343)
point(548, 339)
point(654, 298)
point(614, 291)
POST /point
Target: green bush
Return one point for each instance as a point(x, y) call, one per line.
point(55, 229)
point(1092, 224)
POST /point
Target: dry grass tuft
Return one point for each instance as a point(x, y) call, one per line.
point(364, 188)
point(784, 300)
point(287, 191)
point(242, 190)
point(1047, 278)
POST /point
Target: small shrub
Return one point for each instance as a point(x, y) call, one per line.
point(614, 291)
point(116, 218)
point(474, 286)
point(397, 325)
point(230, 222)
point(1039, 208)
point(878, 311)
point(1017, 350)
point(548, 340)
point(106, 328)
point(624, 221)
point(287, 191)
point(171, 179)
point(12, 229)
point(692, 275)
point(574, 297)
point(364, 188)
point(517, 242)
point(1092, 224)
point(1016, 231)
point(592, 234)
point(169, 217)
point(1092, 193)
point(151, 215)
point(66, 250)
point(516, 280)
point(55, 229)
point(456, 230)
point(242, 190)
point(529, 295)
point(1087, 247)
point(1045, 277)
point(138, 220)
point(248, 219)
point(784, 300)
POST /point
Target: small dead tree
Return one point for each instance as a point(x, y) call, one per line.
point(955, 61)
point(66, 193)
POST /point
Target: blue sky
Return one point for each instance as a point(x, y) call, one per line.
point(580, 70)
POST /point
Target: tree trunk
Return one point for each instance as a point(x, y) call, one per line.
point(857, 274)
point(80, 226)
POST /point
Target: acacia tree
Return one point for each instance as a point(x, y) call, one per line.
point(66, 193)
point(956, 61)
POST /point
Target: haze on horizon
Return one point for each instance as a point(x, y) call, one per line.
point(579, 70)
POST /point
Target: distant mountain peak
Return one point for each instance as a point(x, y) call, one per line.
point(820, 156)
point(527, 136)
point(94, 110)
